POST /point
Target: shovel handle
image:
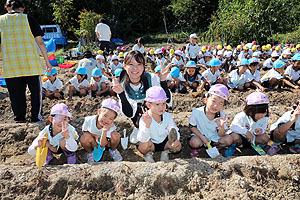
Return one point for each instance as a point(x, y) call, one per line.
point(124, 133)
point(45, 140)
point(208, 145)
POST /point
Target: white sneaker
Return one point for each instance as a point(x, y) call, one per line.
point(133, 136)
point(164, 156)
point(148, 157)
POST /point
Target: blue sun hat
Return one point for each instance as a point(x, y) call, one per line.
point(81, 70)
point(253, 60)
point(278, 64)
point(118, 72)
point(296, 57)
point(215, 62)
point(52, 72)
point(175, 72)
point(244, 61)
point(157, 69)
point(96, 72)
point(191, 64)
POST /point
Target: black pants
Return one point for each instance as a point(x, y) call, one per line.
point(17, 94)
point(105, 45)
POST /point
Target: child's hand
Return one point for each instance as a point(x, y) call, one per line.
point(296, 114)
point(41, 140)
point(97, 137)
point(249, 136)
point(64, 130)
point(258, 131)
point(146, 117)
point(175, 145)
point(204, 139)
point(221, 120)
point(107, 127)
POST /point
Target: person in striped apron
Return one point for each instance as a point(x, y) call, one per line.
point(21, 62)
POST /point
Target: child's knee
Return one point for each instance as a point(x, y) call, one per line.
point(195, 142)
point(86, 139)
point(279, 136)
point(227, 140)
point(103, 86)
point(94, 87)
point(247, 85)
point(263, 139)
point(82, 92)
point(115, 137)
point(236, 138)
point(240, 88)
point(145, 147)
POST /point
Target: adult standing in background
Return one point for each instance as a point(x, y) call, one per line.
point(139, 46)
point(103, 33)
point(21, 62)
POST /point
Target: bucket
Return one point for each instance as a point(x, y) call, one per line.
point(2, 82)
point(60, 59)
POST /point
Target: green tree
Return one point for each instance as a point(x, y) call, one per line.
point(246, 20)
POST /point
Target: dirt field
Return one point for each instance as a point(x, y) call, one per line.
point(245, 177)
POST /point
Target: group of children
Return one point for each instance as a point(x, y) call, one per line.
point(191, 69)
point(158, 132)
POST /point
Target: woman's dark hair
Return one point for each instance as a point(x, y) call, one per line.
point(102, 20)
point(14, 4)
point(87, 54)
point(140, 40)
point(251, 110)
point(139, 57)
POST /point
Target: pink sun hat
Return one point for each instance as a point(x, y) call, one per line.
point(60, 109)
point(156, 94)
point(112, 105)
point(256, 98)
point(219, 90)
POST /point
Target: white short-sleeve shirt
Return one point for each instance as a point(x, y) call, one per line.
point(210, 76)
point(254, 76)
point(242, 123)
point(89, 64)
point(157, 132)
point(71, 143)
point(136, 48)
point(56, 85)
point(295, 75)
point(177, 62)
point(75, 83)
point(113, 67)
point(271, 74)
point(292, 134)
point(192, 50)
point(102, 80)
point(90, 125)
point(268, 64)
point(104, 31)
point(236, 80)
point(208, 128)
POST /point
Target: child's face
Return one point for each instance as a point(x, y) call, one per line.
point(214, 104)
point(286, 56)
point(157, 108)
point(159, 56)
point(51, 77)
point(297, 65)
point(191, 71)
point(193, 41)
point(80, 77)
point(99, 61)
point(280, 70)
point(177, 57)
point(214, 68)
point(115, 62)
point(243, 68)
point(253, 67)
point(207, 58)
point(57, 122)
point(106, 117)
point(97, 78)
point(259, 116)
point(274, 59)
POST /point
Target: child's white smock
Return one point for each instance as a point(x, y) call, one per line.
point(56, 85)
point(102, 80)
point(74, 82)
point(236, 80)
point(71, 144)
point(208, 128)
point(271, 74)
point(254, 76)
point(242, 123)
point(192, 50)
point(295, 75)
point(210, 76)
point(291, 134)
point(90, 125)
point(157, 132)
